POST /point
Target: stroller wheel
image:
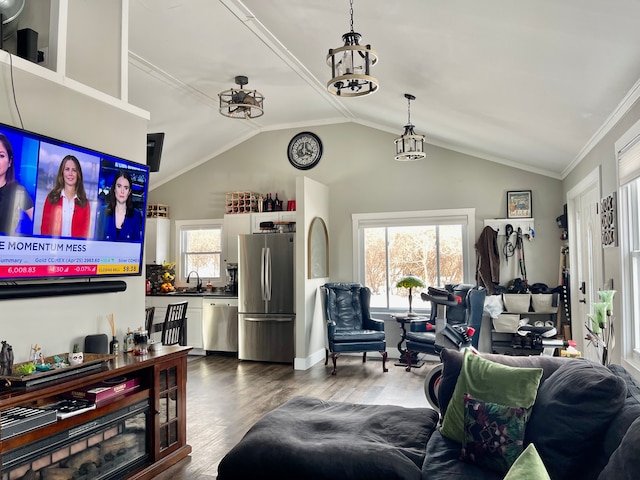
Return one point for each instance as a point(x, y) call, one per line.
point(431, 384)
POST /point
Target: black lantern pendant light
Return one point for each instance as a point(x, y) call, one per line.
point(351, 65)
point(409, 146)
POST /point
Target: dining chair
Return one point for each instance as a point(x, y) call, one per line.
point(149, 313)
point(173, 326)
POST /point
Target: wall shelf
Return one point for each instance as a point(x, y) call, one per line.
point(500, 224)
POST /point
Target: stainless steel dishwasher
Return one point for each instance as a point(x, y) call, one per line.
point(220, 324)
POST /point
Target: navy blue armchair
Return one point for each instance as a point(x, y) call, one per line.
point(421, 338)
point(350, 327)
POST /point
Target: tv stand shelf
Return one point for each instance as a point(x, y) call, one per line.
point(156, 411)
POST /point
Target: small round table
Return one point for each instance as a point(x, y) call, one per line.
point(403, 319)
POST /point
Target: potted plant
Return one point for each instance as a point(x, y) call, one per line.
point(76, 357)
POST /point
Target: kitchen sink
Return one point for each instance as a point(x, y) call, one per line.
point(202, 294)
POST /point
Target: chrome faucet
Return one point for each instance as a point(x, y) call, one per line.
point(199, 284)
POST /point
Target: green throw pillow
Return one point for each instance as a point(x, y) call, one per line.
point(528, 466)
point(491, 382)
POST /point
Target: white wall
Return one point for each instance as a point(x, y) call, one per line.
point(359, 170)
point(90, 119)
point(361, 176)
point(603, 155)
point(310, 324)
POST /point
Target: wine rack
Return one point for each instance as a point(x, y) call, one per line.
point(241, 202)
point(156, 210)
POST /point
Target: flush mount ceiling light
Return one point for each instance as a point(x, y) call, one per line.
point(239, 103)
point(409, 146)
point(351, 65)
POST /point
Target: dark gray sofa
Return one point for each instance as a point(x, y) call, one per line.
point(585, 425)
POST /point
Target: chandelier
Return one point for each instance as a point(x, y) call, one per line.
point(351, 65)
point(409, 146)
point(239, 103)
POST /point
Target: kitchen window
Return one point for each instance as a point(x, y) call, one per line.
point(435, 245)
point(199, 249)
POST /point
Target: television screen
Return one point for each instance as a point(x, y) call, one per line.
point(67, 211)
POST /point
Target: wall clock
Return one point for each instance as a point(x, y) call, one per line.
point(304, 150)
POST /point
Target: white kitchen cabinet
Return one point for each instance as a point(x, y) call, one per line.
point(156, 241)
point(194, 318)
point(234, 225)
point(257, 218)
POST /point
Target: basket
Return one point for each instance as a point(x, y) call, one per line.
point(516, 302)
point(506, 323)
point(544, 302)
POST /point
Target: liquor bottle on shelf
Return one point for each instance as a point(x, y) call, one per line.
point(277, 204)
point(270, 205)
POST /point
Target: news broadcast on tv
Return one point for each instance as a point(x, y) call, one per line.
point(68, 211)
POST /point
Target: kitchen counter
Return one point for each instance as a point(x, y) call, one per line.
point(196, 294)
point(211, 319)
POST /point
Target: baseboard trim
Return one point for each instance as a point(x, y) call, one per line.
point(307, 362)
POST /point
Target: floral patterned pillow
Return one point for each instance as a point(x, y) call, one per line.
point(493, 434)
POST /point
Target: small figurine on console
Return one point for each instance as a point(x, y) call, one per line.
point(37, 355)
point(6, 359)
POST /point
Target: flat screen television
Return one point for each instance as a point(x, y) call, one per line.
point(95, 230)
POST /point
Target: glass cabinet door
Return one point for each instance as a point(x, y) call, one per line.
point(170, 421)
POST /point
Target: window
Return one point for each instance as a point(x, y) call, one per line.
point(434, 245)
point(199, 248)
point(628, 156)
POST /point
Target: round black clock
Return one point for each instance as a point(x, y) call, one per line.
point(304, 150)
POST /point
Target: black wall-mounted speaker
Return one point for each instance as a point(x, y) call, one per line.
point(35, 290)
point(154, 150)
point(28, 44)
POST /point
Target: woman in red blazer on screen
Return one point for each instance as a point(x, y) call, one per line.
point(66, 211)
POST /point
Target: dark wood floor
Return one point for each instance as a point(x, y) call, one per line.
point(226, 396)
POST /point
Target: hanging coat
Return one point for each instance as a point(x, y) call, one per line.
point(488, 260)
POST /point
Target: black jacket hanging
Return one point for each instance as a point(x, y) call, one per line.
point(488, 260)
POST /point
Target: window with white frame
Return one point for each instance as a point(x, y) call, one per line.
point(628, 156)
point(434, 245)
point(199, 248)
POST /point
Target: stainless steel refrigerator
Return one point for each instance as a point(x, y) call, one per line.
point(266, 313)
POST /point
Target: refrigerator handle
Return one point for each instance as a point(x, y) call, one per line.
point(268, 274)
point(263, 272)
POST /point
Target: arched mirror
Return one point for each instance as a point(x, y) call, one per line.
point(318, 249)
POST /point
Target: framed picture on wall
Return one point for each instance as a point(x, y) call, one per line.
point(519, 204)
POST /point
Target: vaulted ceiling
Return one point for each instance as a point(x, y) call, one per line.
point(532, 83)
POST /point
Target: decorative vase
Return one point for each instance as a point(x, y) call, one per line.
point(76, 358)
point(114, 346)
